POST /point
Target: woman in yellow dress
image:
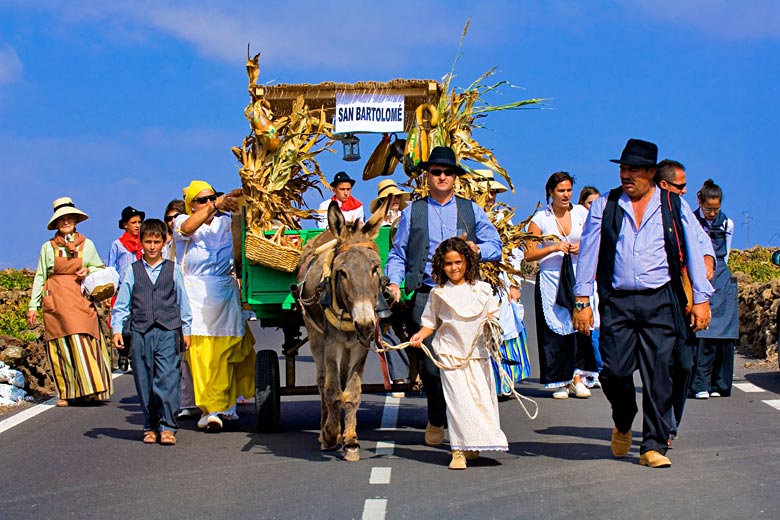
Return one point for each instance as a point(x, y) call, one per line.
point(221, 356)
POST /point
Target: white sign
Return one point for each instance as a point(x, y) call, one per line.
point(369, 113)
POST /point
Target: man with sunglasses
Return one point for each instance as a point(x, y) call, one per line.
point(670, 175)
point(423, 225)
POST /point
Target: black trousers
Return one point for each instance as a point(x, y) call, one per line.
point(429, 373)
point(639, 329)
point(714, 366)
point(682, 375)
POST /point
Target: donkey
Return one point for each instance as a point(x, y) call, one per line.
point(340, 276)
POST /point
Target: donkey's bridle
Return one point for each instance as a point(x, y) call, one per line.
point(336, 315)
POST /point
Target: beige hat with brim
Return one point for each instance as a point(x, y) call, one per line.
point(64, 206)
point(386, 188)
point(485, 178)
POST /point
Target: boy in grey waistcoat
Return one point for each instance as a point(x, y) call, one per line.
point(152, 297)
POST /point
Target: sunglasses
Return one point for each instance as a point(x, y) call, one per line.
point(680, 186)
point(436, 172)
point(203, 200)
point(171, 217)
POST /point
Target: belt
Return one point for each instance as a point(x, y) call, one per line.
point(641, 292)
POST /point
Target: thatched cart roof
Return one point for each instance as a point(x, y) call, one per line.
point(415, 91)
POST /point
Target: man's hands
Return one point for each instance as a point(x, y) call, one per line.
point(582, 320)
point(395, 291)
point(700, 316)
point(709, 266)
point(119, 343)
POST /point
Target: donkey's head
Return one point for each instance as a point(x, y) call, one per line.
point(357, 270)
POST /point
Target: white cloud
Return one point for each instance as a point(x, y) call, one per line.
point(10, 64)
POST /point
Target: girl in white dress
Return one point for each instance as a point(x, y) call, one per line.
point(456, 311)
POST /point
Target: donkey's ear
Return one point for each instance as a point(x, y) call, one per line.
point(371, 228)
point(336, 221)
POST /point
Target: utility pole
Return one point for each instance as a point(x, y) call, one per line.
point(746, 218)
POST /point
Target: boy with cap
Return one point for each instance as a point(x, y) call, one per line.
point(342, 194)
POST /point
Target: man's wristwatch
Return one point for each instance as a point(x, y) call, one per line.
point(578, 306)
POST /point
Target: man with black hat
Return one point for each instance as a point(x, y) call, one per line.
point(639, 244)
point(342, 193)
point(423, 225)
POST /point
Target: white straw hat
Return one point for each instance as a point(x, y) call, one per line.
point(386, 188)
point(486, 178)
point(64, 206)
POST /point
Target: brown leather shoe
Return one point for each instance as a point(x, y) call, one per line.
point(61, 403)
point(458, 460)
point(654, 459)
point(150, 437)
point(168, 438)
point(621, 442)
point(471, 454)
point(434, 435)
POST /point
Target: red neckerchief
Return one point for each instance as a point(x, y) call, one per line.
point(132, 244)
point(349, 204)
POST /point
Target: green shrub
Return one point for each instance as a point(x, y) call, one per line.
point(13, 311)
point(755, 263)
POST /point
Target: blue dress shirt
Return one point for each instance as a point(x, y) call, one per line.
point(640, 261)
point(442, 224)
point(121, 310)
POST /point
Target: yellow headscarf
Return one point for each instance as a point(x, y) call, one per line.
point(191, 191)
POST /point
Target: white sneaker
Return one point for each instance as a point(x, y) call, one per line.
point(561, 393)
point(203, 421)
point(714, 394)
point(579, 389)
point(187, 412)
point(702, 395)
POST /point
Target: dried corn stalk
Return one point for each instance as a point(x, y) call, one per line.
point(459, 113)
point(278, 159)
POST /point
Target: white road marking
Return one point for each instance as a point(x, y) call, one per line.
point(19, 418)
point(380, 476)
point(748, 387)
point(375, 509)
point(390, 413)
point(774, 403)
point(22, 416)
point(385, 447)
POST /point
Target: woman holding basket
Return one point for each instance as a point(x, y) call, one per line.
point(74, 345)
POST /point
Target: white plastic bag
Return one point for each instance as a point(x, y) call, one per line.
point(12, 393)
point(11, 376)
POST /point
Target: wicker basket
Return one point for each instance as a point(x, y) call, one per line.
point(270, 252)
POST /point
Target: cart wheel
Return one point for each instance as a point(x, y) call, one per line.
point(267, 403)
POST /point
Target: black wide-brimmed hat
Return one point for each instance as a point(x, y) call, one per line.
point(443, 156)
point(341, 177)
point(638, 153)
point(128, 213)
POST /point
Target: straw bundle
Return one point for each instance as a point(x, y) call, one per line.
point(278, 159)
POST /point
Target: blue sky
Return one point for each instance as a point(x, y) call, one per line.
point(123, 103)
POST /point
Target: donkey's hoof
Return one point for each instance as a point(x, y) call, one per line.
point(352, 454)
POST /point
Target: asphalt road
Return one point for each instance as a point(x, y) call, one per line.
point(89, 462)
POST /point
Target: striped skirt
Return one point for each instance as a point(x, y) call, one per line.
point(516, 350)
point(80, 366)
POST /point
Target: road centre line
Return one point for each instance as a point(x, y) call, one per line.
point(774, 403)
point(390, 413)
point(380, 476)
point(375, 509)
point(385, 448)
point(748, 387)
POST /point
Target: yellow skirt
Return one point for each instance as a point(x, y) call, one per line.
point(223, 369)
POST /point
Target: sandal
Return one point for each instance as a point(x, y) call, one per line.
point(61, 403)
point(150, 437)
